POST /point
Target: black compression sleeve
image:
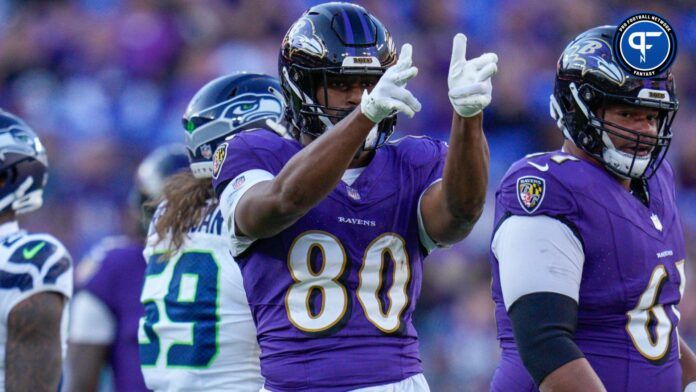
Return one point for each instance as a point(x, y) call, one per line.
point(544, 325)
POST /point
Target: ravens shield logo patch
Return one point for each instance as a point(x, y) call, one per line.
point(219, 158)
point(530, 192)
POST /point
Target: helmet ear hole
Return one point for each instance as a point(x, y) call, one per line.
point(590, 143)
point(13, 174)
point(4, 177)
point(587, 94)
point(8, 176)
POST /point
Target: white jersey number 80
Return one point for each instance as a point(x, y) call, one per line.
point(334, 297)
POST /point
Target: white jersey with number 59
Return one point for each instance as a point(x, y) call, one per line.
point(197, 332)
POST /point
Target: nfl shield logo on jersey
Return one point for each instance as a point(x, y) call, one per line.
point(238, 183)
point(530, 192)
point(219, 158)
point(353, 193)
point(656, 222)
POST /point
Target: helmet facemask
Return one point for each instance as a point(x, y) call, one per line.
point(593, 134)
point(314, 118)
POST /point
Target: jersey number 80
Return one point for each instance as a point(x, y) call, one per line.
point(334, 297)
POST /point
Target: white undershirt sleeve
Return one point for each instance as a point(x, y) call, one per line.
point(428, 243)
point(91, 321)
point(537, 254)
point(233, 192)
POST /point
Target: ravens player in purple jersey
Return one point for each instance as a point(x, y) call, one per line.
point(588, 252)
point(106, 309)
point(330, 229)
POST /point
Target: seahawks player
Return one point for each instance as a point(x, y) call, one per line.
point(106, 309)
point(331, 228)
point(198, 333)
point(588, 254)
point(35, 269)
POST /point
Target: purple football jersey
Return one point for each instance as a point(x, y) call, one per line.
point(333, 295)
point(632, 278)
point(117, 281)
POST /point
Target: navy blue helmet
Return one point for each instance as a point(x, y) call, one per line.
point(151, 177)
point(225, 106)
point(589, 77)
point(328, 40)
point(23, 166)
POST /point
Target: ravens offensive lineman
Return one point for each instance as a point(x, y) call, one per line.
point(330, 229)
point(35, 269)
point(197, 333)
point(588, 254)
point(106, 308)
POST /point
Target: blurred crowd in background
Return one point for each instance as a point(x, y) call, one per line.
point(103, 82)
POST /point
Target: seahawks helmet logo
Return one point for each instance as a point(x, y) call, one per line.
point(247, 108)
point(236, 113)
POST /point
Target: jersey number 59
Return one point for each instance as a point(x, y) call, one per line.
point(190, 309)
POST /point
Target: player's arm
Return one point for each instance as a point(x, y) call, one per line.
point(450, 208)
point(688, 365)
point(271, 206)
point(92, 331)
point(85, 362)
point(33, 348)
point(574, 376)
point(540, 261)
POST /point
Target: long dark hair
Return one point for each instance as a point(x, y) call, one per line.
point(187, 202)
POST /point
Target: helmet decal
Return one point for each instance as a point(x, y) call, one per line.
point(304, 38)
point(226, 106)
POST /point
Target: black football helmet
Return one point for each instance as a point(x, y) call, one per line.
point(225, 106)
point(332, 39)
point(588, 77)
point(23, 166)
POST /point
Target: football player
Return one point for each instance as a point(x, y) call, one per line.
point(331, 228)
point(106, 309)
point(198, 333)
point(35, 269)
point(588, 252)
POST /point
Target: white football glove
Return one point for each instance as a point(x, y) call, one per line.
point(469, 81)
point(390, 94)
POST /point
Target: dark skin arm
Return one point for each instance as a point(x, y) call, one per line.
point(688, 363)
point(574, 376)
point(33, 348)
point(85, 362)
point(451, 207)
point(269, 207)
